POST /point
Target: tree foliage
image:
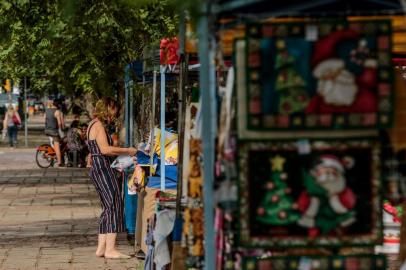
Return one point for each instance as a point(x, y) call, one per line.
point(78, 46)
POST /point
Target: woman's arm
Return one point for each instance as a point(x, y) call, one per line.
point(62, 120)
point(105, 148)
point(57, 115)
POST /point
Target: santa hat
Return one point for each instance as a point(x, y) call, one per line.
point(327, 66)
point(325, 48)
point(333, 161)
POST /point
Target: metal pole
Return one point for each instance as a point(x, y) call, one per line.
point(25, 113)
point(131, 113)
point(152, 123)
point(207, 94)
point(126, 108)
point(163, 102)
point(182, 109)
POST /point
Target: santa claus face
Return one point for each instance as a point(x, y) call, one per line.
point(335, 84)
point(329, 178)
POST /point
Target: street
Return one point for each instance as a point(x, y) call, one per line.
point(49, 218)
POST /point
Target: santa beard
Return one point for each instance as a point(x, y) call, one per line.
point(340, 91)
point(331, 183)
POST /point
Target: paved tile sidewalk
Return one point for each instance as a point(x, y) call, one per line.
point(49, 219)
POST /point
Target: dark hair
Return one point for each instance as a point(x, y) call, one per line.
point(56, 103)
point(74, 124)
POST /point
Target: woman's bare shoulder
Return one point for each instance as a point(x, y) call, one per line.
point(96, 127)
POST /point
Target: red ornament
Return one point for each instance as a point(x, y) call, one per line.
point(270, 185)
point(275, 198)
point(261, 211)
point(288, 190)
point(282, 215)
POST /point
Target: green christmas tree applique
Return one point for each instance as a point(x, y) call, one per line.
point(277, 207)
point(290, 85)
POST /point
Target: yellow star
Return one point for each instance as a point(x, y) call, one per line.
point(337, 263)
point(293, 264)
point(280, 44)
point(251, 265)
point(297, 121)
point(277, 163)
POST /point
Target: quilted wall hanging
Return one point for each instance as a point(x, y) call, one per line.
point(327, 197)
point(327, 75)
point(349, 262)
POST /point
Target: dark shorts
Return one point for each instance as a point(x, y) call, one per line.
point(55, 138)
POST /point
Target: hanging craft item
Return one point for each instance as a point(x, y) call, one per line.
point(193, 227)
point(391, 229)
point(338, 78)
point(168, 53)
point(328, 197)
point(338, 262)
point(277, 207)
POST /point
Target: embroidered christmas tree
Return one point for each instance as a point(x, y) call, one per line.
point(277, 207)
point(290, 85)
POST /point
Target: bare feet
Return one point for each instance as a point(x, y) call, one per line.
point(101, 245)
point(99, 253)
point(114, 254)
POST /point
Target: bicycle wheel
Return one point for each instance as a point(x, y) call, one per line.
point(45, 156)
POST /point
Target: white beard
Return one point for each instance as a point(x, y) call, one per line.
point(339, 92)
point(333, 184)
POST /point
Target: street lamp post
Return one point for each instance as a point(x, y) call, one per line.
point(25, 113)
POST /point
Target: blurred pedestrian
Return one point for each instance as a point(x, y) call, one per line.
point(54, 126)
point(76, 143)
point(11, 123)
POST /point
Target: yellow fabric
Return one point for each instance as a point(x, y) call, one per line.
point(171, 146)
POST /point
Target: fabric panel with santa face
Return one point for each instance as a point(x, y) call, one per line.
point(329, 197)
point(342, 79)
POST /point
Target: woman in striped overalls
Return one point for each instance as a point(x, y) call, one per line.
point(104, 179)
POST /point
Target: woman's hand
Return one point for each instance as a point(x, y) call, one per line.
point(132, 151)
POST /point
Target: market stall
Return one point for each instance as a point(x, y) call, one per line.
point(291, 121)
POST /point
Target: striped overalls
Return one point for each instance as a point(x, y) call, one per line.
point(105, 181)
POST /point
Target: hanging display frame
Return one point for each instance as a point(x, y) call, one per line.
point(292, 159)
point(336, 262)
point(258, 120)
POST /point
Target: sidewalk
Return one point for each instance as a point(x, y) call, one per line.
point(17, 159)
point(49, 220)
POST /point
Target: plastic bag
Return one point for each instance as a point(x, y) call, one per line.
point(4, 134)
point(61, 133)
point(122, 162)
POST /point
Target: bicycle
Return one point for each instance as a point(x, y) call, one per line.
point(45, 156)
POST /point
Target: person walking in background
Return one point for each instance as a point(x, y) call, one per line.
point(54, 125)
point(104, 178)
point(76, 144)
point(11, 123)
